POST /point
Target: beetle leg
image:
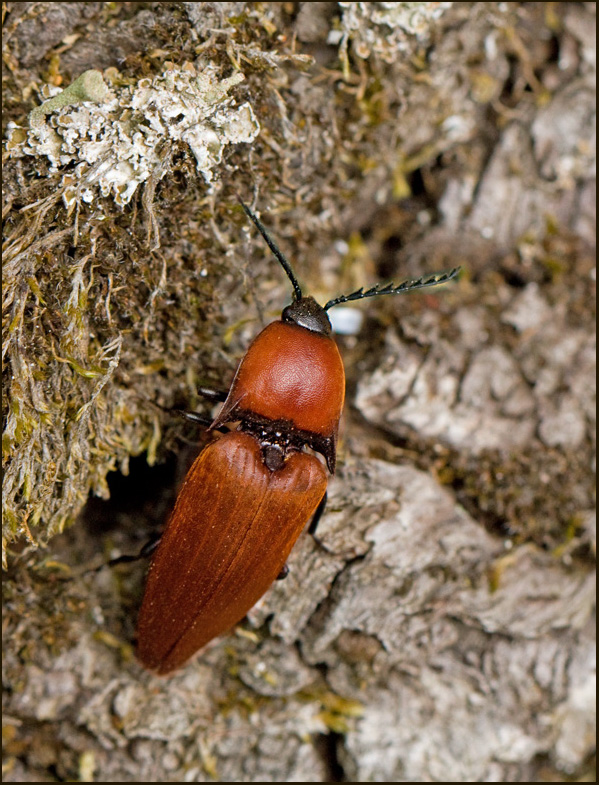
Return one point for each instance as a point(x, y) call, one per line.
point(218, 396)
point(316, 518)
point(149, 548)
point(200, 419)
point(284, 573)
point(145, 551)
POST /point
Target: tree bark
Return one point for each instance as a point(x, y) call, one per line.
point(442, 626)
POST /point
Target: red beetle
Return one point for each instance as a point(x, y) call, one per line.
point(250, 492)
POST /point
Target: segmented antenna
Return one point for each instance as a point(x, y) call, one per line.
point(297, 292)
point(405, 286)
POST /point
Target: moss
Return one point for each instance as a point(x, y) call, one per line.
point(83, 318)
point(336, 711)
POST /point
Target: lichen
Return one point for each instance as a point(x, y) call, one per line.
point(118, 139)
point(385, 28)
point(90, 86)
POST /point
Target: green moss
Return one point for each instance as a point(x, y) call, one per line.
point(337, 712)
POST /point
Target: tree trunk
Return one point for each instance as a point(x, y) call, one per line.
point(441, 628)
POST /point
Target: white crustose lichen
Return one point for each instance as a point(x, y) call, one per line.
point(115, 138)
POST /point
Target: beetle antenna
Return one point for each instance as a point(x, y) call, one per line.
point(405, 286)
point(297, 292)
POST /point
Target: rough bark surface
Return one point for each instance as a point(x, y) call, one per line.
point(442, 629)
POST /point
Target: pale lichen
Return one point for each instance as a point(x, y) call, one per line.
point(90, 86)
point(385, 28)
point(122, 140)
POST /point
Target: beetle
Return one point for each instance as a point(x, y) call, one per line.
point(251, 492)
